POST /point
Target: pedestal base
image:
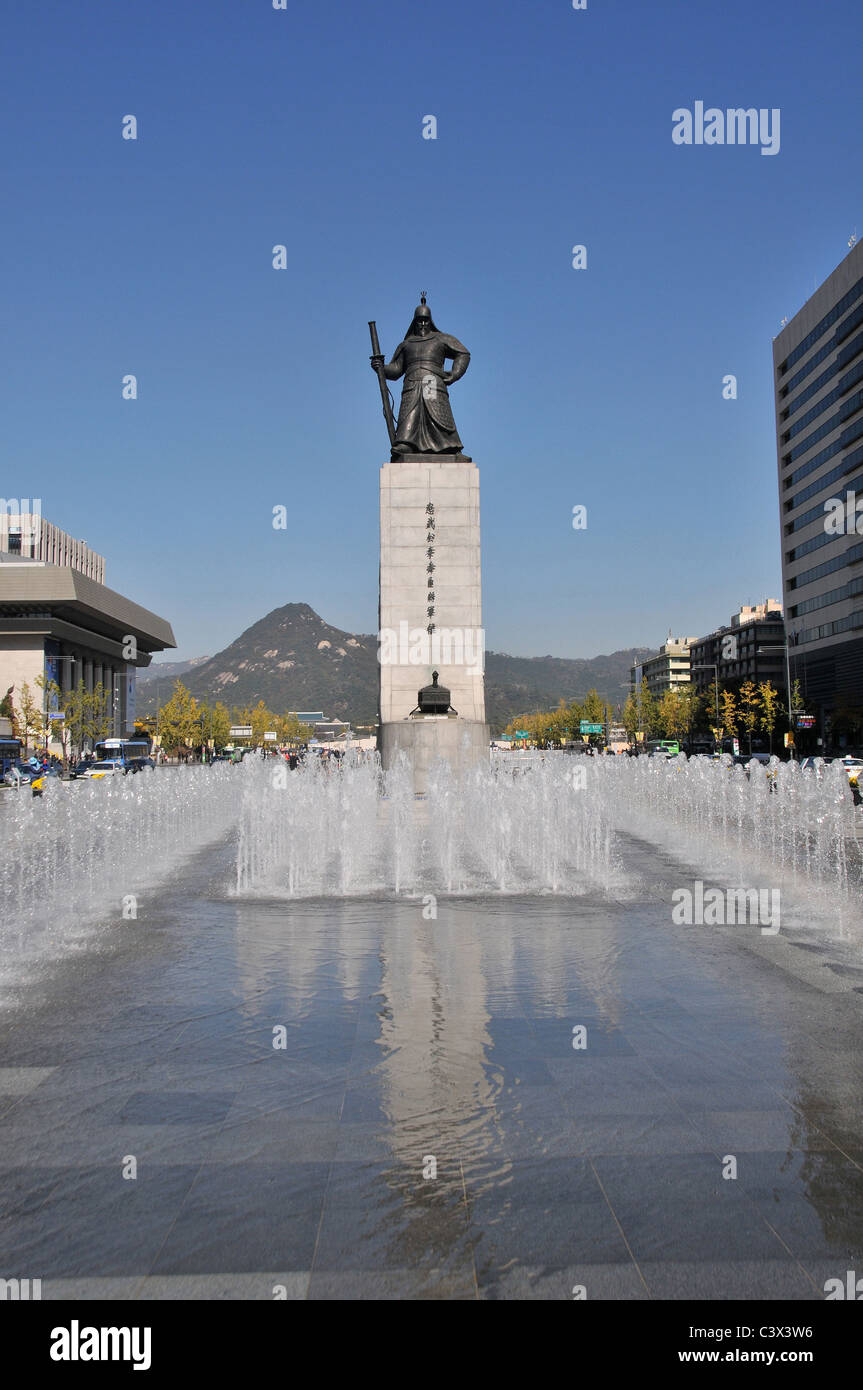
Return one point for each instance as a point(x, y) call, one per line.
point(464, 743)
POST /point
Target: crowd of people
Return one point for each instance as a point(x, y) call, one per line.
point(297, 757)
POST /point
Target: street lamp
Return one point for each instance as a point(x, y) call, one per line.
point(711, 666)
point(762, 651)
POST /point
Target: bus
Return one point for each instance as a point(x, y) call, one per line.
point(669, 746)
point(121, 750)
point(10, 753)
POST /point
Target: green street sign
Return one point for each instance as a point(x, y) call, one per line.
point(590, 728)
point(522, 733)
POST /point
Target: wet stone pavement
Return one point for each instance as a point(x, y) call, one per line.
point(340, 1099)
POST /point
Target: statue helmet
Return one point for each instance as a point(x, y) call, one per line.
point(422, 311)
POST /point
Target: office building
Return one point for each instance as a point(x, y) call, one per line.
point(818, 370)
point(59, 621)
point(28, 536)
point(751, 647)
point(668, 670)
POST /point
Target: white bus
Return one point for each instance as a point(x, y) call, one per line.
point(121, 750)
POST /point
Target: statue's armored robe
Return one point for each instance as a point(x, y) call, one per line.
point(425, 423)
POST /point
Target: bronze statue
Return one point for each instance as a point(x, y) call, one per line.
point(425, 425)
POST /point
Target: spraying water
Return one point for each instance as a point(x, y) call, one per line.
point(356, 830)
point(72, 856)
point(522, 825)
point(543, 825)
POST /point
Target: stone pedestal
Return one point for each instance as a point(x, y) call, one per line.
point(430, 579)
point(463, 743)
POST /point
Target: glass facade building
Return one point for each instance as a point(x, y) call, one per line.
point(818, 365)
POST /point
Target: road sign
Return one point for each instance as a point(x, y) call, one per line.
point(240, 731)
point(590, 728)
point(522, 733)
point(270, 738)
point(61, 715)
point(805, 721)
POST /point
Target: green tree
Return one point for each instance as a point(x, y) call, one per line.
point(649, 719)
point(674, 713)
point(99, 714)
point(290, 730)
point(798, 704)
point(728, 710)
point(690, 708)
point(77, 705)
point(262, 722)
point(220, 723)
point(710, 705)
point(558, 722)
point(749, 708)
point(666, 713)
point(593, 710)
point(29, 715)
point(178, 719)
point(629, 718)
point(768, 698)
point(594, 707)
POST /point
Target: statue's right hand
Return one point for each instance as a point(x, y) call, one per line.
point(376, 362)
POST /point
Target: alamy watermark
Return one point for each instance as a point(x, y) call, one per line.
point(848, 1288)
point(733, 126)
point(21, 506)
point(844, 515)
point(20, 1290)
point(717, 907)
point(444, 646)
point(77, 1343)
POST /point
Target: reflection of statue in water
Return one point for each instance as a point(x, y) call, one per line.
point(425, 423)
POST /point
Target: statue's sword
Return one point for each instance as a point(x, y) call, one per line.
point(382, 382)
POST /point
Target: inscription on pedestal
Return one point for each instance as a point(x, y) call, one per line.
point(431, 600)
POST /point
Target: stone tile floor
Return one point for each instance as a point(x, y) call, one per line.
point(329, 1099)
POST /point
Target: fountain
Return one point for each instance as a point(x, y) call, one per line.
point(553, 825)
point(521, 825)
point(74, 854)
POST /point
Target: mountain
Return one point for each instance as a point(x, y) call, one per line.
point(168, 670)
point(293, 660)
point(525, 684)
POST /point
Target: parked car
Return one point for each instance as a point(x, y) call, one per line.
point(106, 769)
point(22, 774)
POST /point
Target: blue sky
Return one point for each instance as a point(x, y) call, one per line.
point(600, 387)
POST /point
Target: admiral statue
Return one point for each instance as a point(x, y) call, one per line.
point(425, 425)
